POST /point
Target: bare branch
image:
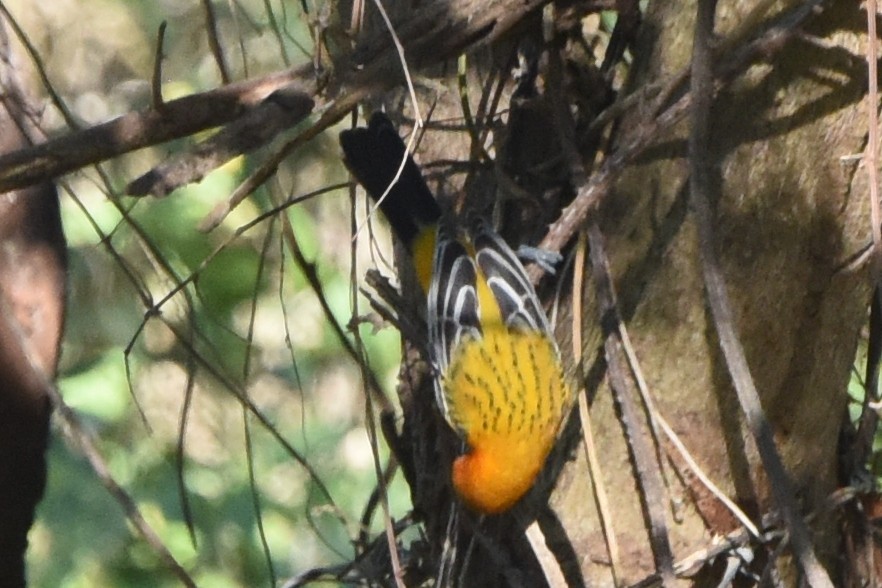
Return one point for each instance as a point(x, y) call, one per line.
point(281, 110)
point(178, 118)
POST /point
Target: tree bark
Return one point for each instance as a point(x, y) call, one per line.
point(32, 293)
point(791, 218)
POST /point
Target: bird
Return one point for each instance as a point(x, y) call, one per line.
point(499, 378)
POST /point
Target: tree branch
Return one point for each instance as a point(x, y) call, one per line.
point(177, 118)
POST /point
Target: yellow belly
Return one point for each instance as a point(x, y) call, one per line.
point(506, 394)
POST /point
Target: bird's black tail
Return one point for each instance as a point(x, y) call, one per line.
point(374, 155)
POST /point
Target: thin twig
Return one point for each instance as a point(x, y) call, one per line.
point(237, 391)
point(373, 437)
point(156, 83)
point(243, 52)
point(701, 475)
point(598, 488)
point(254, 491)
point(277, 31)
point(311, 274)
point(657, 418)
point(214, 43)
point(399, 48)
point(871, 157)
point(82, 438)
point(156, 308)
point(642, 449)
point(32, 52)
point(180, 446)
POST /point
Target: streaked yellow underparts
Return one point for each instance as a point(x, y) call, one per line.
point(506, 393)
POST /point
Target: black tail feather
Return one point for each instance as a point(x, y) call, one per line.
point(374, 155)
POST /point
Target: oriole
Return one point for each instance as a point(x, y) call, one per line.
point(499, 380)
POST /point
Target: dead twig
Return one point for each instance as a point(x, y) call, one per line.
point(156, 82)
point(600, 496)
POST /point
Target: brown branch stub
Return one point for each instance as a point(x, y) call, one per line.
point(156, 85)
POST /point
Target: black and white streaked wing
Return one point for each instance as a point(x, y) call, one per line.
point(512, 289)
point(453, 308)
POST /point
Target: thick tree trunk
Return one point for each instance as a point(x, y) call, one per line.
point(792, 218)
point(791, 225)
point(32, 288)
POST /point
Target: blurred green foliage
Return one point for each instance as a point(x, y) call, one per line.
point(857, 393)
point(130, 377)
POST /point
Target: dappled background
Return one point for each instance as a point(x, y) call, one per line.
point(218, 377)
point(159, 394)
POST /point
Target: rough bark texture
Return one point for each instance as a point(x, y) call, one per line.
point(791, 217)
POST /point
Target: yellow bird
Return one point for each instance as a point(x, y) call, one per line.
point(499, 380)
